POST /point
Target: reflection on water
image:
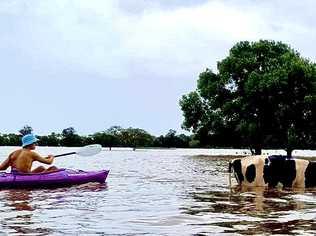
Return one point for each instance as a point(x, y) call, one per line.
point(250, 211)
point(18, 199)
point(19, 213)
point(22, 207)
point(156, 192)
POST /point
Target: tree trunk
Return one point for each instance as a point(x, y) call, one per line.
point(289, 152)
point(258, 151)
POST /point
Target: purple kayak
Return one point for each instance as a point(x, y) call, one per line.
point(62, 177)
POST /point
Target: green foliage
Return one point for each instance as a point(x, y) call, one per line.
point(171, 140)
point(10, 140)
point(262, 96)
point(193, 111)
point(194, 143)
point(50, 140)
point(26, 130)
point(70, 138)
point(132, 137)
point(105, 139)
point(115, 136)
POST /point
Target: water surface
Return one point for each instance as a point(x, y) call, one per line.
point(156, 192)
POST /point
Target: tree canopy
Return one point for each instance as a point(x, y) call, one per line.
point(26, 130)
point(263, 95)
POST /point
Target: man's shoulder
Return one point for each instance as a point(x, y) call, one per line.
point(34, 155)
point(16, 152)
point(25, 153)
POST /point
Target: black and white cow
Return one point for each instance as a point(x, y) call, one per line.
point(255, 171)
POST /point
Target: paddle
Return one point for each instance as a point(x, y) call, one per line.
point(88, 150)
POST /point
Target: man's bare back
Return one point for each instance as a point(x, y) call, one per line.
point(22, 159)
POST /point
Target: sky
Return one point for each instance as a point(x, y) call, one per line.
point(92, 64)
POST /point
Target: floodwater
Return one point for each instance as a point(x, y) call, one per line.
point(156, 192)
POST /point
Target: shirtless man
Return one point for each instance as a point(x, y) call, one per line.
point(21, 160)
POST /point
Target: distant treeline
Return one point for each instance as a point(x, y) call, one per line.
point(115, 136)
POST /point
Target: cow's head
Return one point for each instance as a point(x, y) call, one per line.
point(235, 168)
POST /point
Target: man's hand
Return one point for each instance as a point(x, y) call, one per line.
point(50, 158)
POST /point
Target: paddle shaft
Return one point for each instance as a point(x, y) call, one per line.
point(65, 154)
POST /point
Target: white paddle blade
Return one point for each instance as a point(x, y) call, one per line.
point(90, 150)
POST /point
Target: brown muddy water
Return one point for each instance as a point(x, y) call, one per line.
point(156, 192)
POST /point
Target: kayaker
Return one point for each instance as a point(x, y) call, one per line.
point(21, 160)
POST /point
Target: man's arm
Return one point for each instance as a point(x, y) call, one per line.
point(45, 160)
point(5, 164)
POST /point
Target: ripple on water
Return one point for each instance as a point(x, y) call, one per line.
point(255, 211)
point(156, 192)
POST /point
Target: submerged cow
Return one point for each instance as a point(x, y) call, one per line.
point(271, 171)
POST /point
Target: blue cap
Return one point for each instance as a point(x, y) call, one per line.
point(28, 139)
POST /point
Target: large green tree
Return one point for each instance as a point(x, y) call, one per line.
point(70, 138)
point(171, 140)
point(263, 95)
point(106, 139)
point(134, 137)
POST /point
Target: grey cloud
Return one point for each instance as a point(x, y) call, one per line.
point(106, 38)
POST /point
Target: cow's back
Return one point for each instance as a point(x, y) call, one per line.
point(263, 170)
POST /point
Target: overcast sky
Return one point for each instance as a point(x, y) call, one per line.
point(91, 64)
